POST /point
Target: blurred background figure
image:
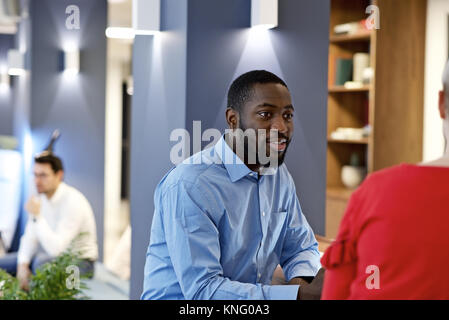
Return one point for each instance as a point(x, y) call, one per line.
point(60, 217)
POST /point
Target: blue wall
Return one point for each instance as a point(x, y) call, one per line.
point(158, 107)
point(6, 107)
point(220, 46)
point(74, 104)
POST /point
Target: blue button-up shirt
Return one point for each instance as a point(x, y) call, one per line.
point(219, 231)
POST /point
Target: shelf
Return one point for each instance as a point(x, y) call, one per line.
point(341, 89)
point(362, 141)
point(360, 36)
point(339, 192)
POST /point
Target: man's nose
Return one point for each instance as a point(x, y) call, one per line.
point(279, 124)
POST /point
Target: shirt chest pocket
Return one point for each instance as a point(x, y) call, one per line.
point(274, 228)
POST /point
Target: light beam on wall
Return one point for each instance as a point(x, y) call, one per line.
point(264, 14)
point(16, 62)
point(146, 17)
point(4, 80)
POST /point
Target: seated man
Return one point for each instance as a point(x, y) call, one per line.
point(224, 219)
point(57, 217)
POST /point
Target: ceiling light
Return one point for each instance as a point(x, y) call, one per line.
point(264, 14)
point(120, 33)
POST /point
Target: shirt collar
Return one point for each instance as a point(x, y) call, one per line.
point(233, 164)
point(58, 193)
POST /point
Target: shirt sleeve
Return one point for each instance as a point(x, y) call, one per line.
point(28, 244)
point(340, 259)
point(56, 241)
point(300, 255)
point(194, 248)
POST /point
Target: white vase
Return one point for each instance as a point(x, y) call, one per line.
point(352, 176)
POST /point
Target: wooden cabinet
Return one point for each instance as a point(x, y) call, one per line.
point(392, 103)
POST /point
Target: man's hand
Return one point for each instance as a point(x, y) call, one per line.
point(23, 275)
point(312, 291)
point(299, 281)
point(33, 206)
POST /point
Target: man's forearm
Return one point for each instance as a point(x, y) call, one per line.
point(23, 266)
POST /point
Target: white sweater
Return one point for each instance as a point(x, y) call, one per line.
point(62, 218)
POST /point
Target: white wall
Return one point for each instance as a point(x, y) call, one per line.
point(436, 57)
point(118, 65)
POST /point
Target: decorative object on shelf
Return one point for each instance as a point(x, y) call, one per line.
point(343, 71)
point(352, 175)
point(361, 62)
point(351, 27)
point(368, 75)
point(351, 133)
point(353, 85)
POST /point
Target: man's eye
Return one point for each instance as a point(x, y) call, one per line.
point(264, 115)
point(288, 115)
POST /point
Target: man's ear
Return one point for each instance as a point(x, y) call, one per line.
point(442, 104)
point(232, 118)
point(60, 175)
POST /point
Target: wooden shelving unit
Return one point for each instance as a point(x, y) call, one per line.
point(360, 36)
point(361, 141)
point(392, 104)
point(342, 89)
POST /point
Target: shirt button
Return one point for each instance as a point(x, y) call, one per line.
point(263, 213)
point(259, 275)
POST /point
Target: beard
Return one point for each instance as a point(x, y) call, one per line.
point(254, 147)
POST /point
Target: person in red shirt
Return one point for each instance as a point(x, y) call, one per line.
point(393, 239)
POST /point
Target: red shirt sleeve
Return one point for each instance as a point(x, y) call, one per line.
point(340, 259)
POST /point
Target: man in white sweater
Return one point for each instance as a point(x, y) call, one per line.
point(57, 217)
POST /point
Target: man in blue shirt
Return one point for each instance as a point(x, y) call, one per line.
point(222, 224)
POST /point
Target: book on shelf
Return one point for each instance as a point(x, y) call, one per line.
point(343, 71)
point(351, 27)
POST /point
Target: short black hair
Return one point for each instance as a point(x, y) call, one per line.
point(241, 89)
point(54, 161)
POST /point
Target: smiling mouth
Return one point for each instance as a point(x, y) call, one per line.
point(279, 145)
